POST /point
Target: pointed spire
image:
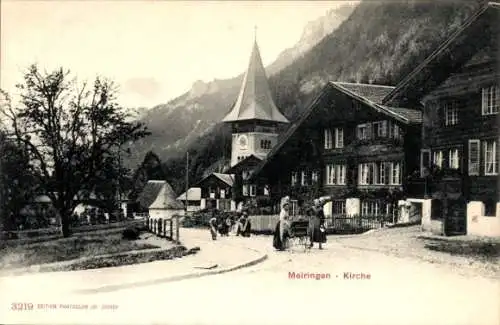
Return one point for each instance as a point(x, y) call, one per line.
point(255, 101)
point(255, 34)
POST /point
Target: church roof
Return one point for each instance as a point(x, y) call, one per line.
point(255, 101)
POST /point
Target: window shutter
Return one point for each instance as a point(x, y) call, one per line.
point(425, 158)
point(369, 131)
point(474, 156)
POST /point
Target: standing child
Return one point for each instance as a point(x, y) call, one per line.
point(213, 227)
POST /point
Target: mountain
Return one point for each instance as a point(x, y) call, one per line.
point(179, 123)
point(380, 42)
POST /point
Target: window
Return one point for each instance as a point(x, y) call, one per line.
point(245, 190)
point(294, 178)
point(303, 178)
point(437, 158)
point(381, 175)
point(266, 190)
point(490, 158)
point(265, 144)
point(222, 194)
point(245, 174)
point(425, 160)
point(396, 131)
point(363, 174)
point(294, 207)
point(339, 138)
point(362, 132)
point(370, 208)
point(491, 103)
point(453, 159)
point(474, 156)
point(335, 174)
point(328, 139)
point(338, 207)
point(315, 176)
point(253, 190)
point(451, 113)
point(395, 173)
point(380, 129)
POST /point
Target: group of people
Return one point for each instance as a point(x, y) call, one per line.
point(223, 226)
point(317, 232)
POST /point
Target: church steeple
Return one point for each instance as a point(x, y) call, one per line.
point(255, 101)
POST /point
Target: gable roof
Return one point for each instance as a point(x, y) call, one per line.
point(243, 162)
point(374, 95)
point(149, 193)
point(165, 199)
point(290, 131)
point(227, 179)
point(438, 65)
point(255, 101)
point(193, 194)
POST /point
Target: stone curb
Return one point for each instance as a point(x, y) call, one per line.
point(53, 267)
point(175, 278)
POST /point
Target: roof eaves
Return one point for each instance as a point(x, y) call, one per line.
point(375, 106)
point(290, 131)
point(390, 96)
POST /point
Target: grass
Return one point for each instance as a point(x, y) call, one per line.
point(75, 247)
point(483, 250)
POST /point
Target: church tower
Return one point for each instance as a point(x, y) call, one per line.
point(254, 117)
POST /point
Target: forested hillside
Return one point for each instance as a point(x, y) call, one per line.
point(379, 43)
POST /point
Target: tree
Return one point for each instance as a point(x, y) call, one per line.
point(69, 131)
point(17, 182)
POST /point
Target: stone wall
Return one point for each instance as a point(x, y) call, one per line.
point(480, 225)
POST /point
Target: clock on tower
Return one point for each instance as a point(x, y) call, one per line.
point(254, 117)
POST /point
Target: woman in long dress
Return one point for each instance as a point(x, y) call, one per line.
point(281, 232)
point(213, 227)
point(317, 225)
point(244, 225)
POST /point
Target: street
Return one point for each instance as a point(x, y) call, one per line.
point(354, 287)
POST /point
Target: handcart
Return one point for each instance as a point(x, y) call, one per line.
point(299, 234)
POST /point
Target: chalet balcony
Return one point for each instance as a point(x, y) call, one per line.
point(394, 142)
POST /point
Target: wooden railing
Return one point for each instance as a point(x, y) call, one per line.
point(164, 228)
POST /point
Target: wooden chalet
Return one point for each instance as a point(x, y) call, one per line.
point(216, 192)
point(458, 86)
point(349, 146)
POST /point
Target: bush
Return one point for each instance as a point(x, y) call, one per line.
point(131, 233)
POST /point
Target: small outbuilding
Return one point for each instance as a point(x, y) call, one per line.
point(165, 204)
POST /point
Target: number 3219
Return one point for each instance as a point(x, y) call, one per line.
point(22, 306)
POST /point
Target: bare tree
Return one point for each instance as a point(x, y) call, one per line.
point(70, 133)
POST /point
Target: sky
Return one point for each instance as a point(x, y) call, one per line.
point(154, 50)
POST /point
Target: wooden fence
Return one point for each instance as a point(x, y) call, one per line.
point(44, 234)
point(336, 224)
point(165, 228)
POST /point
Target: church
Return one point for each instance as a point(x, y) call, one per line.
point(254, 120)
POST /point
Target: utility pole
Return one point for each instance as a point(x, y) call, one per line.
point(186, 204)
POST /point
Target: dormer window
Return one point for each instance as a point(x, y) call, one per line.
point(490, 102)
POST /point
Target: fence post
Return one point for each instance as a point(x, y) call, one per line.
point(177, 229)
point(160, 228)
point(171, 229)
